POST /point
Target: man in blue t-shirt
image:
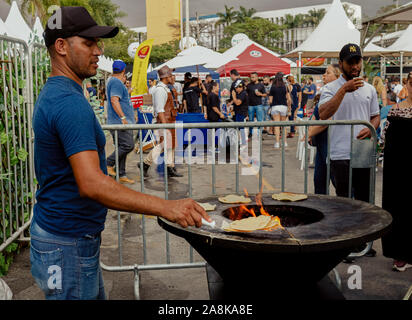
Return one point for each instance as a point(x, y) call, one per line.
point(310, 91)
point(69, 158)
point(120, 111)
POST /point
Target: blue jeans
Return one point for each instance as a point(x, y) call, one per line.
point(241, 118)
point(66, 268)
point(259, 111)
point(266, 116)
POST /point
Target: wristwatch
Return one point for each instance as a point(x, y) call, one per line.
point(123, 118)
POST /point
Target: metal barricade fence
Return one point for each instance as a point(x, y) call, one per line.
point(16, 140)
point(363, 155)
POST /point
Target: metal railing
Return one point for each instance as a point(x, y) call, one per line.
point(363, 155)
point(16, 140)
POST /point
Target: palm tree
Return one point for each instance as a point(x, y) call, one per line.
point(314, 16)
point(293, 22)
point(227, 17)
point(244, 13)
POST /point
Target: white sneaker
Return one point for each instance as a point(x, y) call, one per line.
point(276, 145)
point(286, 144)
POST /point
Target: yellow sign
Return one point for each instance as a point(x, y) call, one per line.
point(163, 20)
point(141, 61)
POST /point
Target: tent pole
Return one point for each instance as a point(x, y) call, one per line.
point(401, 68)
point(300, 67)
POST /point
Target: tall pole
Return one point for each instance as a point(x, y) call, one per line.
point(187, 24)
point(300, 68)
point(401, 68)
point(181, 22)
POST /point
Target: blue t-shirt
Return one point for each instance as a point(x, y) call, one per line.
point(115, 88)
point(65, 124)
point(310, 88)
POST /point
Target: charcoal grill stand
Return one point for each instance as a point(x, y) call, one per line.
point(325, 289)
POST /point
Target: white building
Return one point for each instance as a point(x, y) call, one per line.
point(208, 33)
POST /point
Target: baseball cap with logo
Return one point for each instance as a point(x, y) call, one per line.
point(349, 51)
point(239, 83)
point(74, 21)
point(118, 66)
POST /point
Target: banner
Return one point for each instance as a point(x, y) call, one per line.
point(163, 20)
point(139, 77)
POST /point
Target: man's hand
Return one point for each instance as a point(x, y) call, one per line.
point(185, 212)
point(124, 121)
point(353, 85)
point(205, 116)
point(365, 133)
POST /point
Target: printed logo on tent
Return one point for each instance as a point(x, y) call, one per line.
point(255, 54)
point(143, 52)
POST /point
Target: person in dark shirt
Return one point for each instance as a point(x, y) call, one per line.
point(213, 113)
point(208, 86)
point(280, 102)
point(191, 96)
point(241, 104)
point(213, 104)
point(234, 76)
point(296, 95)
point(255, 91)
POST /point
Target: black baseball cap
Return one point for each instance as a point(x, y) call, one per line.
point(349, 51)
point(75, 21)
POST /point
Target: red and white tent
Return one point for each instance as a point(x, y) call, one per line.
point(253, 57)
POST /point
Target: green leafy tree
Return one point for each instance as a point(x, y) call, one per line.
point(164, 52)
point(227, 17)
point(244, 14)
point(116, 48)
point(259, 30)
point(314, 16)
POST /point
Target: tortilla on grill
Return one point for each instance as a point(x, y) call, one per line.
point(207, 206)
point(289, 196)
point(233, 199)
point(251, 223)
point(272, 223)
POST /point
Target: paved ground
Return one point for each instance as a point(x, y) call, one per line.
point(378, 280)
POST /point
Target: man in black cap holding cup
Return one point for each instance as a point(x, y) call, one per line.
point(349, 98)
point(70, 164)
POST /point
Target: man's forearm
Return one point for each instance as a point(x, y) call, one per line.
point(376, 121)
point(328, 109)
point(117, 108)
point(113, 195)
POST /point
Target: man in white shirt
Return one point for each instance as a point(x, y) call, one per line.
point(349, 98)
point(164, 111)
point(179, 89)
point(397, 89)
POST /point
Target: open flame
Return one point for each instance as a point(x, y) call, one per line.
point(244, 212)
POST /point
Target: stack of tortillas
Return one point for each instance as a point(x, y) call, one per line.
point(234, 199)
point(207, 206)
point(289, 196)
point(250, 224)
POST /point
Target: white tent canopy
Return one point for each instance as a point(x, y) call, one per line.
point(403, 44)
point(333, 32)
point(38, 30)
point(3, 28)
point(105, 64)
point(193, 56)
point(373, 50)
point(232, 54)
point(16, 26)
